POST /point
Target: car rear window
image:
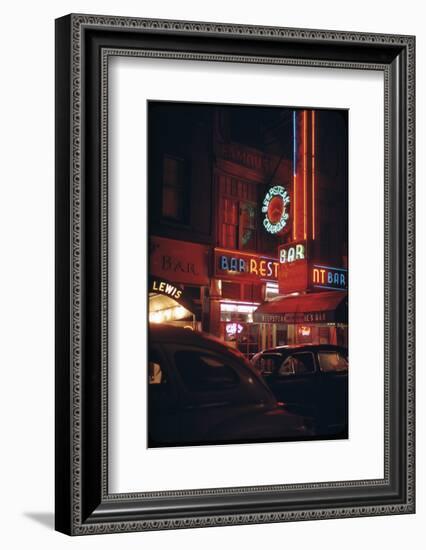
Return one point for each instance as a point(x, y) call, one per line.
point(267, 364)
point(331, 361)
point(298, 363)
point(201, 372)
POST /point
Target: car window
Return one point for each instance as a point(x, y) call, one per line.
point(266, 364)
point(332, 361)
point(299, 363)
point(287, 367)
point(204, 372)
point(156, 373)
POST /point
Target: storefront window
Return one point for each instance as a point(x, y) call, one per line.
point(282, 335)
point(238, 329)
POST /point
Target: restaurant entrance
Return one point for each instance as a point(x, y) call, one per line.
point(243, 336)
point(237, 328)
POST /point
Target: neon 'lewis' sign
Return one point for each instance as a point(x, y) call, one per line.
point(275, 206)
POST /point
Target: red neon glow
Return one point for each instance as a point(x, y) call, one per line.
point(304, 172)
point(276, 208)
point(234, 328)
point(294, 174)
point(295, 210)
point(313, 174)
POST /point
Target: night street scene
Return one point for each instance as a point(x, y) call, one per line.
point(247, 274)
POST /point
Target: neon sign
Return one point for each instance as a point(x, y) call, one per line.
point(292, 252)
point(246, 266)
point(164, 287)
point(234, 328)
point(334, 278)
point(275, 207)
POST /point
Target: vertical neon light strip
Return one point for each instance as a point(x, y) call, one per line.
point(304, 172)
point(294, 174)
point(313, 174)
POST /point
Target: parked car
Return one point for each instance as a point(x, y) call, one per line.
point(312, 380)
point(201, 391)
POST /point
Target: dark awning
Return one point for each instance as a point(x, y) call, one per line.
point(315, 307)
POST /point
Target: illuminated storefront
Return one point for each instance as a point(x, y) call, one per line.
point(168, 304)
point(178, 276)
point(311, 318)
point(312, 306)
point(244, 280)
point(249, 240)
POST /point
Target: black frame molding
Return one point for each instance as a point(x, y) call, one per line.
point(84, 43)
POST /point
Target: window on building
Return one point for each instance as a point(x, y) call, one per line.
point(238, 224)
point(174, 188)
point(252, 293)
point(247, 226)
point(229, 223)
point(231, 291)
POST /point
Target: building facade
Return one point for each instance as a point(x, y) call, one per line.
point(248, 223)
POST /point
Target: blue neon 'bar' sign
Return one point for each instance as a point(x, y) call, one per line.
point(333, 278)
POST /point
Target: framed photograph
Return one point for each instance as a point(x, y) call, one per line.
point(234, 274)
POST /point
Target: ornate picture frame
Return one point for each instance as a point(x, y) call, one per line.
point(84, 45)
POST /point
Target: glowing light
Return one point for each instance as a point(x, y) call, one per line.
point(272, 288)
point(294, 173)
point(237, 308)
point(304, 331)
point(291, 253)
point(170, 314)
point(155, 317)
point(313, 174)
point(304, 171)
point(179, 312)
point(329, 277)
point(255, 265)
point(234, 328)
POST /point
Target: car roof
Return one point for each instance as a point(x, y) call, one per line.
point(167, 333)
point(162, 332)
point(304, 347)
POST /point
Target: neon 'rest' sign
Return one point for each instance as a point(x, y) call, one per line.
point(275, 206)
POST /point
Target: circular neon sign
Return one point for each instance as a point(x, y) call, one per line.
point(275, 206)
